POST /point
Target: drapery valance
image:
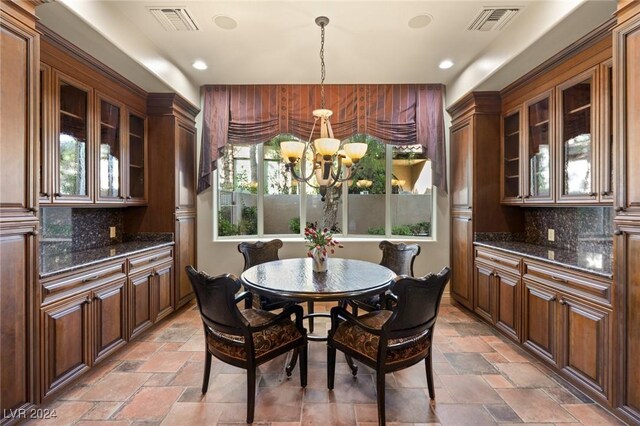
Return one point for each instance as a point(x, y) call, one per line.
point(403, 114)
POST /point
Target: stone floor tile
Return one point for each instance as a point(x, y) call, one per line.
point(408, 406)
point(150, 403)
point(328, 414)
point(176, 334)
point(494, 358)
point(497, 381)
point(470, 363)
point(64, 413)
point(139, 350)
point(565, 396)
point(502, 413)
point(412, 377)
point(470, 389)
point(463, 415)
point(191, 413)
point(102, 423)
point(116, 387)
point(194, 344)
point(509, 351)
point(470, 344)
point(164, 362)
point(359, 389)
point(533, 405)
point(102, 410)
point(315, 395)
point(525, 375)
point(591, 414)
point(160, 379)
point(126, 366)
point(192, 373)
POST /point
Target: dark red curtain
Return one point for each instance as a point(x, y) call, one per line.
point(403, 114)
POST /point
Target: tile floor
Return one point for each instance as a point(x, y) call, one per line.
point(481, 379)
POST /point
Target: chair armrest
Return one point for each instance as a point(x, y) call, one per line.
point(338, 312)
point(286, 313)
point(242, 296)
point(389, 301)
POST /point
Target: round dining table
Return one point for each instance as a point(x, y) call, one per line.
point(294, 279)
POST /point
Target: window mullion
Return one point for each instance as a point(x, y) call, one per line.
point(260, 200)
point(387, 189)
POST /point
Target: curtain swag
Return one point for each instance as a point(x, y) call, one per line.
point(401, 114)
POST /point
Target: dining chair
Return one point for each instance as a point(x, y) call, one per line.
point(399, 257)
point(244, 338)
point(262, 252)
point(389, 340)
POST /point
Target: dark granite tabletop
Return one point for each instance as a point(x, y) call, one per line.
point(55, 259)
point(594, 262)
point(295, 279)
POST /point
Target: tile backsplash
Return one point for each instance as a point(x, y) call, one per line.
point(576, 228)
point(80, 229)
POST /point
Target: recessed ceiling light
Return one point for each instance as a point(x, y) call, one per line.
point(420, 21)
point(225, 22)
point(200, 65)
point(446, 64)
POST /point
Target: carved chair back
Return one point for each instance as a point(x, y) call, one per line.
point(259, 252)
point(399, 257)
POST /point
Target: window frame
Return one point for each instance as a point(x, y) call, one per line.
point(343, 217)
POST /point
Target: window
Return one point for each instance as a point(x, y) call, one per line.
point(389, 195)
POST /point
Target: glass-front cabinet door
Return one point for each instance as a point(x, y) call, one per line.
point(109, 179)
point(511, 164)
point(577, 153)
point(46, 193)
point(136, 178)
point(72, 167)
point(538, 159)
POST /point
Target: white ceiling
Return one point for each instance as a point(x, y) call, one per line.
point(278, 41)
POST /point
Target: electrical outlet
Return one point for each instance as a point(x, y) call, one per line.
point(112, 232)
point(551, 234)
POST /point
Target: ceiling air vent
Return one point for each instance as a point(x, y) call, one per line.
point(493, 18)
point(174, 18)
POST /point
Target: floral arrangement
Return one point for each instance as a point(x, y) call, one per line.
point(320, 241)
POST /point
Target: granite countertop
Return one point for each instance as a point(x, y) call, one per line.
point(55, 259)
point(598, 262)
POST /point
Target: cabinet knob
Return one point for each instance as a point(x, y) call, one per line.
point(33, 209)
point(44, 194)
point(617, 232)
point(87, 300)
point(558, 279)
point(593, 194)
point(93, 278)
point(553, 299)
point(121, 197)
point(177, 207)
point(527, 196)
point(562, 302)
point(603, 193)
point(57, 194)
point(619, 209)
point(33, 233)
point(129, 197)
point(519, 196)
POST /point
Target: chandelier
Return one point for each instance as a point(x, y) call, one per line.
point(333, 161)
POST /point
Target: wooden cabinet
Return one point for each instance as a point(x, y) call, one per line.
point(539, 321)
point(109, 150)
point(578, 140)
point(185, 256)
point(19, 99)
point(538, 150)
point(93, 137)
point(461, 284)
point(497, 291)
point(626, 131)
point(511, 166)
point(66, 341)
point(607, 152)
point(461, 164)
point(140, 302)
point(110, 314)
point(163, 294)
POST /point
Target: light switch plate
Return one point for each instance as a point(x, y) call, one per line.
point(551, 234)
point(112, 232)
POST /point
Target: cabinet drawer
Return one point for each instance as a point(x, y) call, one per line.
point(65, 285)
point(569, 281)
point(498, 260)
point(149, 259)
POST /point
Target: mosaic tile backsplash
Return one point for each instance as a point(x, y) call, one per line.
point(80, 229)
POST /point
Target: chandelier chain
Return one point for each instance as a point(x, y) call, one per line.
point(322, 67)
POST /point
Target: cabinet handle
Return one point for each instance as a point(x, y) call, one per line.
point(563, 302)
point(93, 278)
point(593, 194)
point(33, 233)
point(57, 194)
point(617, 232)
point(619, 209)
point(560, 280)
point(527, 196)
point(33, 210)
point(603, 193)
point(154, 259)
point(87, 300)
point(519, 196)
point(121, 197)
point(553, 299)
point(44, 194)
point(493, 259)
point(177, 207)
point(129, 197)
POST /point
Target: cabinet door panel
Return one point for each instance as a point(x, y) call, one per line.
point(17, 264)
point(511, 161)
point(577, 145)
point(164, 291)
point(483, 293)
point(585, 335)
point(186, 173)
point(539, 332)
point(461, 166)
point(508, 303)
point(606, 133)
point(461, 260)
point(109, 151)
point(18, 124)
point(67, 346)
point(109, 304)
point(140, 303)
point(185, 255)
point(137, 159)
point(539, 155)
